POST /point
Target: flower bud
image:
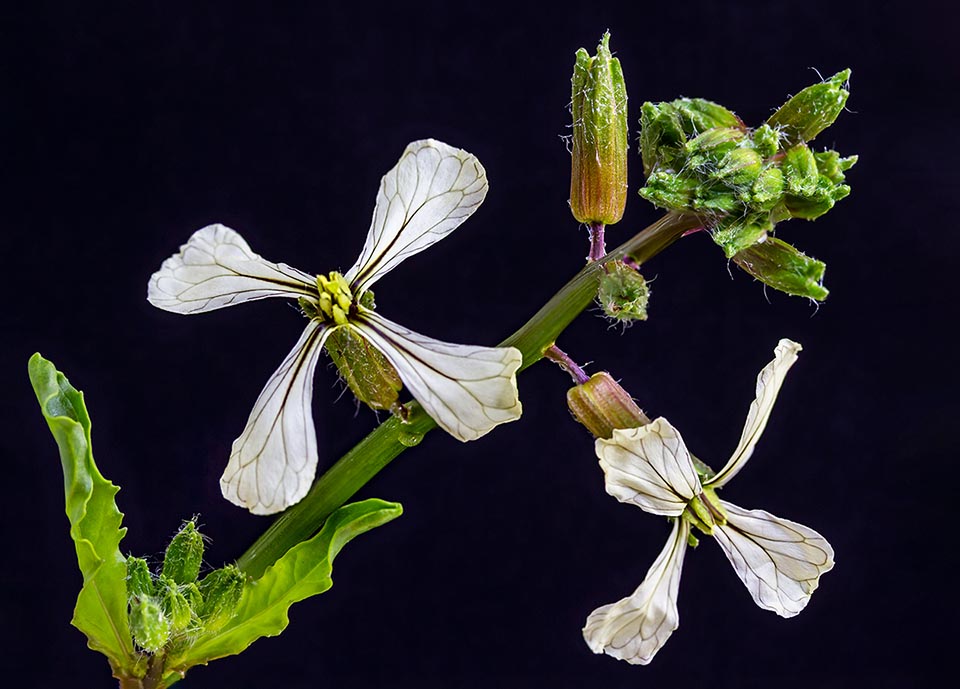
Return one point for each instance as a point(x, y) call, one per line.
point(175, 605)
point(181, 563)
point(812, 110)
point(148, 624)
point(139, 581)
point(623, 293)
point(602, 405)
point(781, 266)
point(598, 187)
point(221, 591)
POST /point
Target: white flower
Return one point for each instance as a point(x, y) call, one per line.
point(779, 561)
point(467, 390)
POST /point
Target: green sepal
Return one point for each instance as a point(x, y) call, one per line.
point(184, 555)
point(815, 108)
point(305, 570)
point(101, 609)
point(371, 378)
point(781, 266)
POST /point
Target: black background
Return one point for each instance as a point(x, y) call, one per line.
point(128, 126)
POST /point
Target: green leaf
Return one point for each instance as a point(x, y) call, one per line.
point(101, 610)
point(305, 570)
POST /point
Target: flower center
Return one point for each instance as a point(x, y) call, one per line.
point(705, 512)
point(335, 298)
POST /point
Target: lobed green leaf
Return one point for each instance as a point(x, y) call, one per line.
point(101, 609)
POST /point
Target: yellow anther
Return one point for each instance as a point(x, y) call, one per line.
point(342, 284)
point(326, 304)
point(344, 301)
point(339, 316)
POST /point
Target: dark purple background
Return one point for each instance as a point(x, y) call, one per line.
point(128, 128)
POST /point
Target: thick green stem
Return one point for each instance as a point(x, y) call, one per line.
point(392, 437)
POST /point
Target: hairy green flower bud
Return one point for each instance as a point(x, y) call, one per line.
point(139, 579)
point(800, 171)
point(602, 405)
point(782, 267)
point(598, 186)
point(767, 190)
point(812, 110)
point(734, 234)
point(665, 127)
point(175, 605)
point(372, 379)
point(148, 623)
point(221, 591)
point(623, 293)
point(181, 563)
point(766, 140)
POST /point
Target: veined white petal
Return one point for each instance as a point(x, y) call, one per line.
point(768, 385)
point(428, 193)
point(217, 268)
point(779, 561)
point(634, 628)
point(649, 467)
point(273, 462)
point(466, 389)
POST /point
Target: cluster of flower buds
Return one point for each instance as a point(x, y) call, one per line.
point(174, 605)
point(700, 158)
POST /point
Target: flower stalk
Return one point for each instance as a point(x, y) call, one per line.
point(392, 437)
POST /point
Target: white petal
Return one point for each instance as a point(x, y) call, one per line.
point(431, 190)
point(216, 268)
point(649, 467)
point(273, 462)
point(467, 390)
point(779, 561)
point(768, 385)
point(634, 628)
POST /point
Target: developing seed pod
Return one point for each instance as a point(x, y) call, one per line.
point(623, 293)
point(181, 562)
point(149, 625)
point(221, 591)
